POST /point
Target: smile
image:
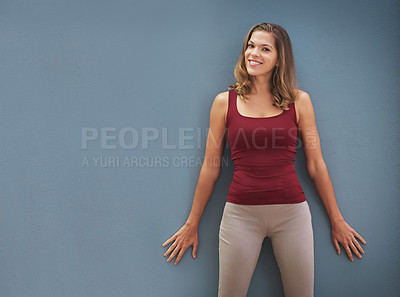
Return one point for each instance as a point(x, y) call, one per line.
point(253, 63)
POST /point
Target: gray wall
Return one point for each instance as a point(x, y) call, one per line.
point(116, 67)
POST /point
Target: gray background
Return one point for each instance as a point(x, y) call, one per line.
point(71, 230)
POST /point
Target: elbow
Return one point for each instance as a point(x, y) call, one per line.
point(212, 173)
point(211, 168)
point(310, 169)
point(315, 168)
point(215, 173)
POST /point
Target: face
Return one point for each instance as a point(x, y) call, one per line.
point(261, 55)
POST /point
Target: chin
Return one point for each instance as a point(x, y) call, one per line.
point(253, 73)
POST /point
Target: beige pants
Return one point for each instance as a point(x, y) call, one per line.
point(242, 232)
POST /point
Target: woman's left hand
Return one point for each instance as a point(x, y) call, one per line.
point(343, 233)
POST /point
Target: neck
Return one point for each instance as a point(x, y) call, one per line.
point(261, 85)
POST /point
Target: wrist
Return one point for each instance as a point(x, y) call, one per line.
point(192, 224)
point(336, 221)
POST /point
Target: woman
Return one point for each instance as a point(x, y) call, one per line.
point(262, 116)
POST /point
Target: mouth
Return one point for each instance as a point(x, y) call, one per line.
point(254, 62)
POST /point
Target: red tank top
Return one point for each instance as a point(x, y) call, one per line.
point(263, 151)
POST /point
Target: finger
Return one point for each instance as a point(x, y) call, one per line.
point(194, 252)
point(169, 241)
point(180, 255)
point(359, 246)
point(349, 254)
point(360, 238)
point(176, 250)
point(335, 242)
point(353, 247)
point(170, 249)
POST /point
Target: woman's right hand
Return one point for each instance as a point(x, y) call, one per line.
point(185, 237)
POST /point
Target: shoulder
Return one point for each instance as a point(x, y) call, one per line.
point(301, 97)
point(303, 104)
point(222, 98)
point(221, 101)
point(220, 104)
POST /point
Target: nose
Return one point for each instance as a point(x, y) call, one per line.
point(255, 52)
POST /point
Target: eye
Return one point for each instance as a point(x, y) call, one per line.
point(264, 49)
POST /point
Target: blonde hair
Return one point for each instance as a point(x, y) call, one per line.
point(284, 78)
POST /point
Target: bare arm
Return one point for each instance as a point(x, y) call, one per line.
point(188, 236)
point(317, 169)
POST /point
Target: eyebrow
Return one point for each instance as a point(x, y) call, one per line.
point(262, 44)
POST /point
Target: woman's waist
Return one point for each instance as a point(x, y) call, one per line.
point(265, 177)
point(264, 167)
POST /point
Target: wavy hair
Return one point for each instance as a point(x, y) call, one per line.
point(284, 78)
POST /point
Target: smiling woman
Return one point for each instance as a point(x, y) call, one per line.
point(262, 116)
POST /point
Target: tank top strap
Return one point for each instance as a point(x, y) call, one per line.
point(231, 105)
point(293, 112)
